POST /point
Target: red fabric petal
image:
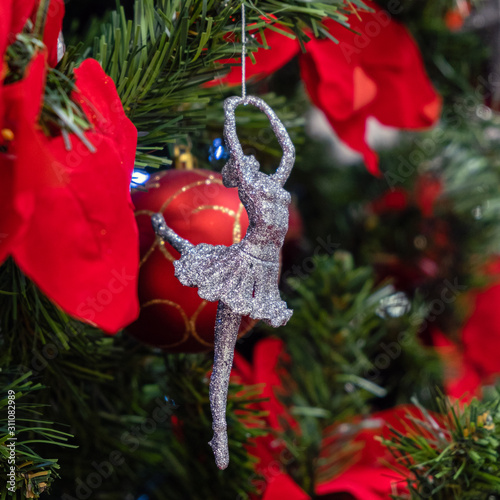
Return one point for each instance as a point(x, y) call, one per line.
point(81, 247)
point(99, 99)
point(383, 54)
point(481, 333)
point(266, 355)
point(427, 190)
point(21, 10)
point(13, 17)
point(283, 487)
point(365, 89)
point(19, 178)
point(368, 478)
point(53, 26)
point(10, 220)
point(267, 61)
point(377, 72)
point(363, 483)
point(5, 26)
point(268, 449)
point(461, 380)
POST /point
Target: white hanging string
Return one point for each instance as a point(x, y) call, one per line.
point(243, 52)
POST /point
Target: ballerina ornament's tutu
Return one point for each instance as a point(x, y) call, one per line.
point(244, 276)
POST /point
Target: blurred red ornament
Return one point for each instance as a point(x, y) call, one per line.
point(455, 18)
point(428, 189)
point(198, 207)
point(391, 201)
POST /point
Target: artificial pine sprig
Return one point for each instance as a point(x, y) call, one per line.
point(451, 455)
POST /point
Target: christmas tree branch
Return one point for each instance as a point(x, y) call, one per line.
point(451, 455)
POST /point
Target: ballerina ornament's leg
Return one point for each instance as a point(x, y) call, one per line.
point(227, 324)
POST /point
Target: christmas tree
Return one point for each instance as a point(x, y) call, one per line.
point(382, 384)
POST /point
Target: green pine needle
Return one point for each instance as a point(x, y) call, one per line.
point(452, 455)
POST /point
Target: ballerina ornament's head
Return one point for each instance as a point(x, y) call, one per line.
point(239, 164)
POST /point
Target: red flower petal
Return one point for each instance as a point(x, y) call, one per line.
point(268, 449)
point(13, 20)
point(81, 246)
point(53, 25)
point(427, 190)
point(98, 97)
point(481, 333)
point(5, 26)
point(461, 380)
point(282, 487)
point(267, 61)
point(267, 371)
point(19, 178)
point(363, 483)
point(367, 479)
point(16, 13)
point(365, 89)
point(378, 72)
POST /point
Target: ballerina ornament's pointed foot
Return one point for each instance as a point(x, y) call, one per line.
point(220, 447)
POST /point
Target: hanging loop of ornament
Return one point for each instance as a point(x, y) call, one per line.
point(243, 52)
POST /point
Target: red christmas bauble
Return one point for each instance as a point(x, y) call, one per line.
point(198, 207)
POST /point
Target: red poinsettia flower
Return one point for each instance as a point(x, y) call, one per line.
point(375, 71)
point(66, 216)
point(374, 476)
point(481, 333)
point(366, 479)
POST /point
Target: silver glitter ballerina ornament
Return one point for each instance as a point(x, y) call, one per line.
point(242, 277)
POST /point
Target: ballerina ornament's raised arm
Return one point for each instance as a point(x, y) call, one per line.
point(242, 277)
